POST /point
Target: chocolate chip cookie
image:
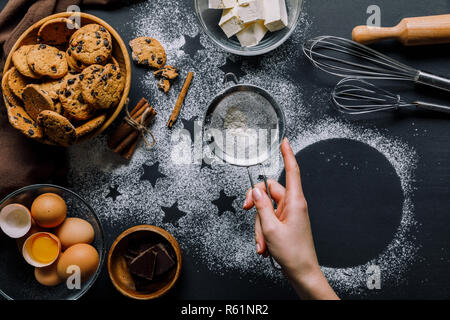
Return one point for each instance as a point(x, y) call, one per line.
point(148, 51)
point(168, 72)
point(17, 115)
point(46, 60)
point(164, 85)
point(90, 126)
point(36, 100)
point(72, 100)
point(91, 44)
point(73, 64)
point(52, 87)
point(107, 88)
point(17, 82)
point(57, 31)
point(19, 59)
point(88, 76)
point(57, 128)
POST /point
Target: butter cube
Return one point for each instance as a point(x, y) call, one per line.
point(275, 14)
point(252, 34)
point(221, 4)
point(250, 10)
point(230, 22)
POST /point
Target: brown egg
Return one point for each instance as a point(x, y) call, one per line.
point(48, 276)
point(49, 210)
point(82, 255)
point(73, 231)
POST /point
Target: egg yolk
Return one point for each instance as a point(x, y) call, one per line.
point(44, 249)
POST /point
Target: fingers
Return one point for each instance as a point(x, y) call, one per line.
point(293, 182)
point(269, 221)
point(259, 237)
point(277, 192)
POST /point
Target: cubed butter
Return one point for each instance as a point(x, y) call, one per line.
point(275, 14)
point(221, 4)
point(250, 10)
point(230, 22)
point(252, 34)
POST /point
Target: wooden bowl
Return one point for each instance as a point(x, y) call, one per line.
point(120, 53)
point(118, 269)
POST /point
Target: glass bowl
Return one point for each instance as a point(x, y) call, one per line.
point(17, 280)
point(209, 20)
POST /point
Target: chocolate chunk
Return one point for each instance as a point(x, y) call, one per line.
point(114, 67)
point(59, 55)
point(164, 261)
point(54, 69)
point(42, 46)
point(106, 42)
point(71, 81)
point(81, 76)
point(102, 29)
point(78, 63)
point(144, 264)
point(119, 76)
point(98, 59)
point(160, 61)
point(69, 52)
point(148, 41)
point(30, 132)
point(80, 99)
point(97, 35)
point(67, 93)
point(98, 42)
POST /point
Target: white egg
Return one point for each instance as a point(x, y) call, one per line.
point(15, 220)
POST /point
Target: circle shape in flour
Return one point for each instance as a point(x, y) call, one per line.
point(400, 253)
point(354, 197)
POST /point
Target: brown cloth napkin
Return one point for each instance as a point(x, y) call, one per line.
point(23, 161)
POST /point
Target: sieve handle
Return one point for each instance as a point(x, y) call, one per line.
point(274, 206)
point(228, 76)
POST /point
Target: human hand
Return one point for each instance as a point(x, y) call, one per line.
point(285, 233)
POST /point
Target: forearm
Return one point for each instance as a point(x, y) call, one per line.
point(313, 286)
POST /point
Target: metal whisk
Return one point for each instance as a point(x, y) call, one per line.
point(347, 58)
point(356, 96)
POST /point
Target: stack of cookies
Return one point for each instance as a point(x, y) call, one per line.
point(61, 88)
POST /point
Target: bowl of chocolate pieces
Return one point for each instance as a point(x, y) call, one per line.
point(66, 79)
point(144, 262)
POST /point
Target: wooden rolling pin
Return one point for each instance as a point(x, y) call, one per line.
point(410, 31)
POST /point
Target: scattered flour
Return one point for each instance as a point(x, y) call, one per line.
point(202, 233)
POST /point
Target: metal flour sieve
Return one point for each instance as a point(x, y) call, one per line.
point(244, 126)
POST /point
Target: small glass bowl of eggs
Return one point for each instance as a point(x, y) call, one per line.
point(51, 243)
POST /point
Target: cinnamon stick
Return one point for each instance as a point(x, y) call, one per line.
point(139, 105)
point(125, 128)
point(125, 139)
point(179, 103)
point(129, 140)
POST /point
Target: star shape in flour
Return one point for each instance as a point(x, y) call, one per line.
point(224, 203)
point(192, 45)
point(233, 65)
point(172, 214)
point(189, 125)
point(151, 173)
point(113, 192)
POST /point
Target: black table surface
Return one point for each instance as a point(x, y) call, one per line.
point(427, 276)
